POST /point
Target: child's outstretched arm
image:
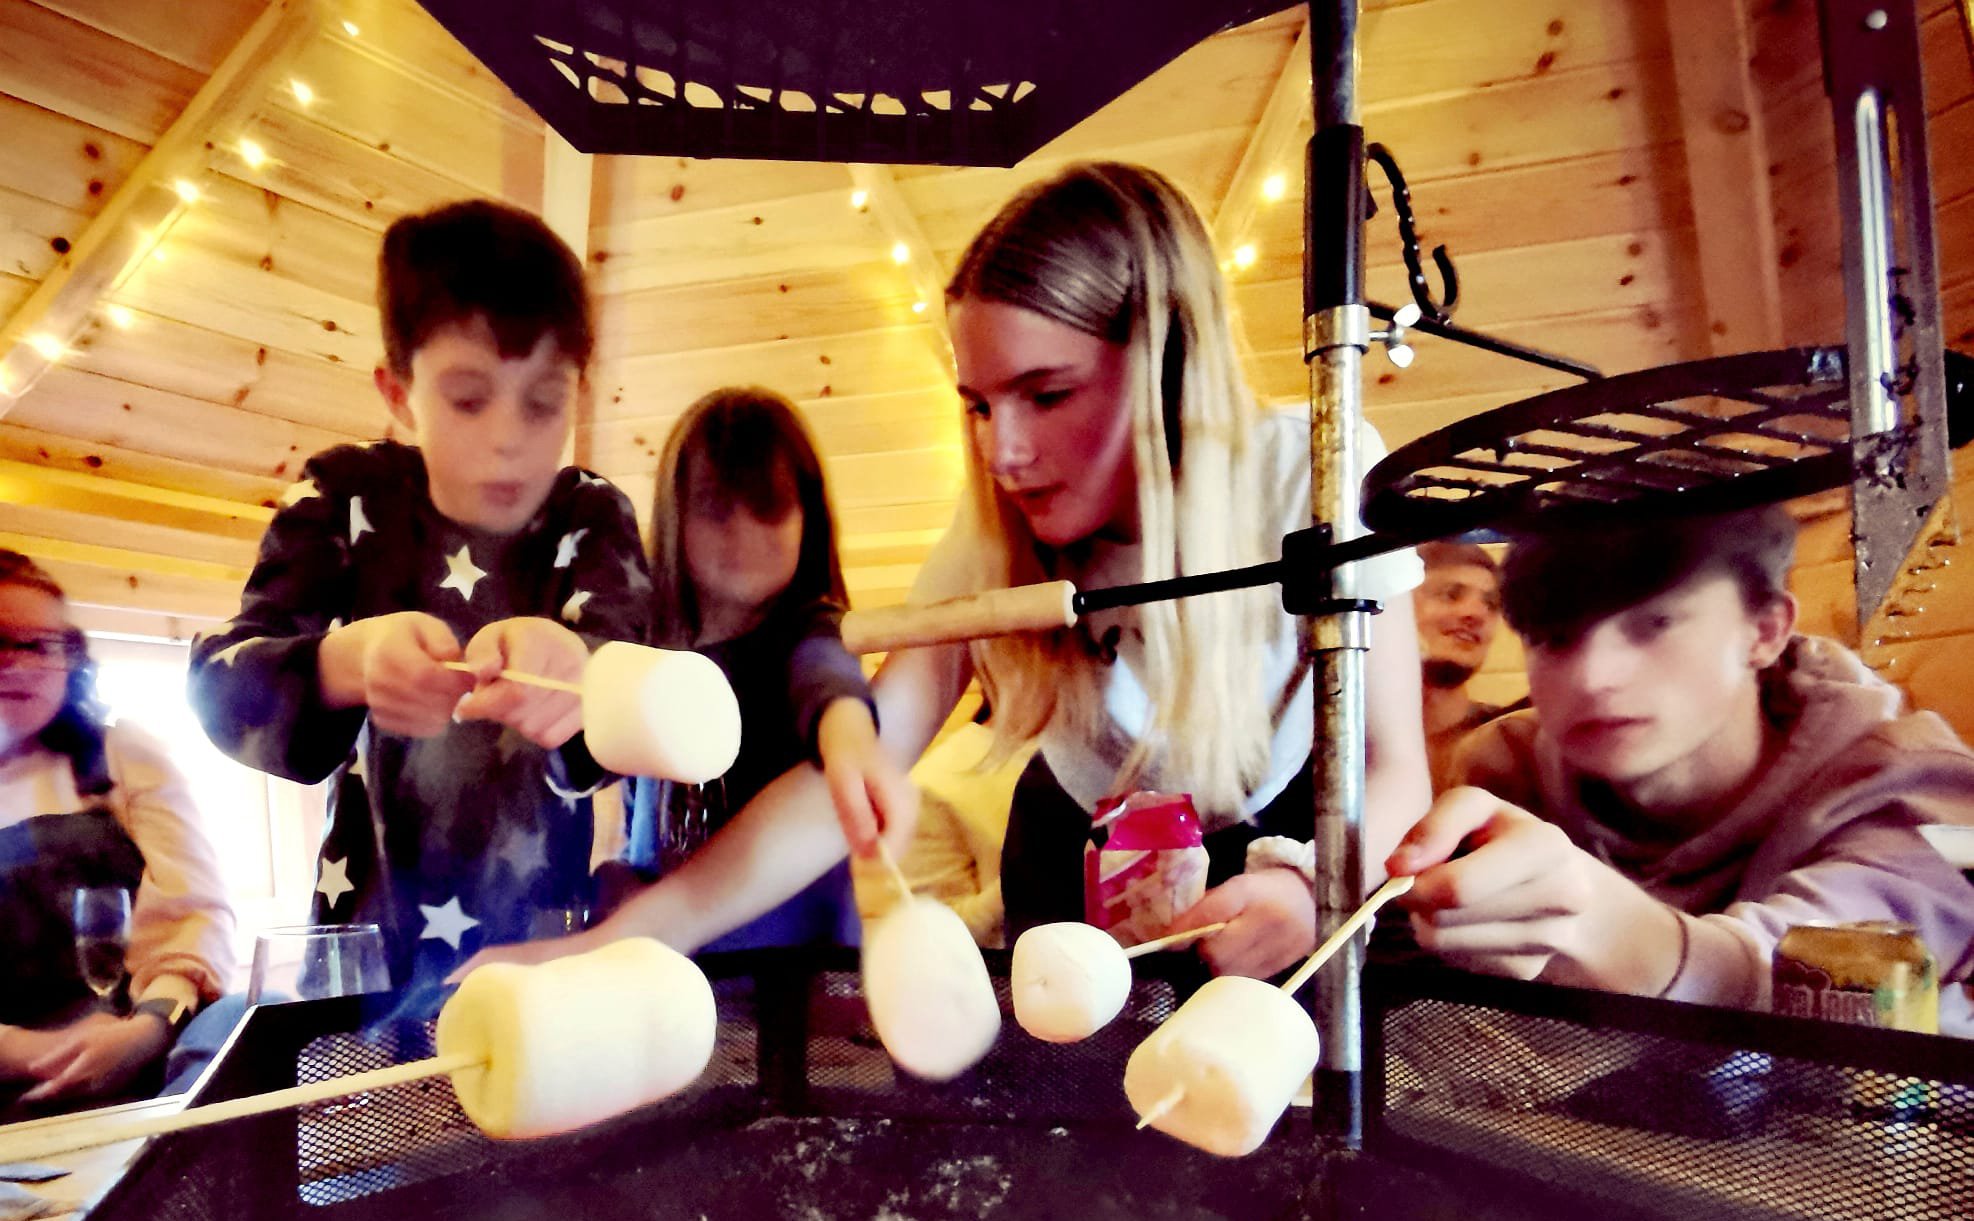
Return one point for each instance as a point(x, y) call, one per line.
point(258, 683)
point(870, 792)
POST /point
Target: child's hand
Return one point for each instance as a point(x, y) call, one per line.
point(1271, 922)
point(872, 795)
point(541, 647)
point(395, 666)
point(1512, 902)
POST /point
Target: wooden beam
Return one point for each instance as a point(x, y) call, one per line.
point(1727, 175)
point(1271, 149)
point(567, 178)
point(143, 208)
point(876, 187)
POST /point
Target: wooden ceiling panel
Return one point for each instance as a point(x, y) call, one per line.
point(1618, 341)
point(629, 189)
point(63, 452)
point(259, 227)
point(803, 304)
point(184, 360)
point(811, 232)
point(33, 234)
point(76, 70)
point(90, 407)
point(1454, 46)
point(162, 29)
point(1573, 278)
point(954, 204)
point(109, 577)
point(59, 160)
point(864, 424)
point(1224, 80)
point(419, 123)
point(336, 173)
point(215, 293)
point(402, 38)
point(890, 360)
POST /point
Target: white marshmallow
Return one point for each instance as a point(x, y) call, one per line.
point(1069, 980)
point(577, 1040)
point(656, 712)
point(1239, 1050)
point(928, 990)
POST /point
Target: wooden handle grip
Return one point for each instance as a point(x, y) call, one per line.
point(997, 612)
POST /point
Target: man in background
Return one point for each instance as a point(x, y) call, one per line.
point(1459, 609)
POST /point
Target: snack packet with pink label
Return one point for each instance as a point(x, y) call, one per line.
point(1151, 868)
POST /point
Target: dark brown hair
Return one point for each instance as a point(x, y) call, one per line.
point(77, 730)
point(481, 259)
point(1456, 555)
point(1557, 585)
point(761, 459)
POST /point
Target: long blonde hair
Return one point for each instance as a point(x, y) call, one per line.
point(1117, 251)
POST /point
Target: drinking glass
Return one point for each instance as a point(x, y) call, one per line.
point(102, 932)
point(313, 961)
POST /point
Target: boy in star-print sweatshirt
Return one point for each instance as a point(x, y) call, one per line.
point(458, 801)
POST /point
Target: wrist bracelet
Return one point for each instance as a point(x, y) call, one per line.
point(1685, 944)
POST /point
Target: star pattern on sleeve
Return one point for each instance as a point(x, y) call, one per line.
point(525, 854)
point(461, 574)
point(446, 922)
point(231, 653)
point(359, 524)
point(334, 882)
point(572, 610)
point(565, 551)
point(298, 492)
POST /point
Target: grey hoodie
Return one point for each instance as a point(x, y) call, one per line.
point(1828, 832)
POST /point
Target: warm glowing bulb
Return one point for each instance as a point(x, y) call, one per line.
point(1274, 187)
point(349, 27)
point(918, 307)
point(46, 346)
point(120, 316)
point(187, 190)
point(1245, 256)
point(901, 254)
point(860, 200)
point(303, 93)
point(253, 154)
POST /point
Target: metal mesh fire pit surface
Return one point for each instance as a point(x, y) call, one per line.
point(1489, 1101)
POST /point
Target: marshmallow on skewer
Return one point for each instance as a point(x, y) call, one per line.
point(650, 712)
point(1068, 981)
point(928, 991)
point(1219, 1072)
point(532, 1051)
point(576, 1040)
point(657, 712)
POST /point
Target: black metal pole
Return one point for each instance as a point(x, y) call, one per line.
point(1336, 334)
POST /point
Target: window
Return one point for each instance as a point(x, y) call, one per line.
point(264, 829)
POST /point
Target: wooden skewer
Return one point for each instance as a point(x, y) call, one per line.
point(891, 866)
point(1171, 939)
point(1158, 1110)
point(518, 676)
point(91, 1133)
point(1392, 888)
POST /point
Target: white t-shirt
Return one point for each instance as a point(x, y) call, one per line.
point(1087, 766)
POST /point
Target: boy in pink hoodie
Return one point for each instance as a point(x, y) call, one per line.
point(1693, 780)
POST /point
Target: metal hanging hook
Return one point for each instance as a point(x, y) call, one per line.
point(1438, 309)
